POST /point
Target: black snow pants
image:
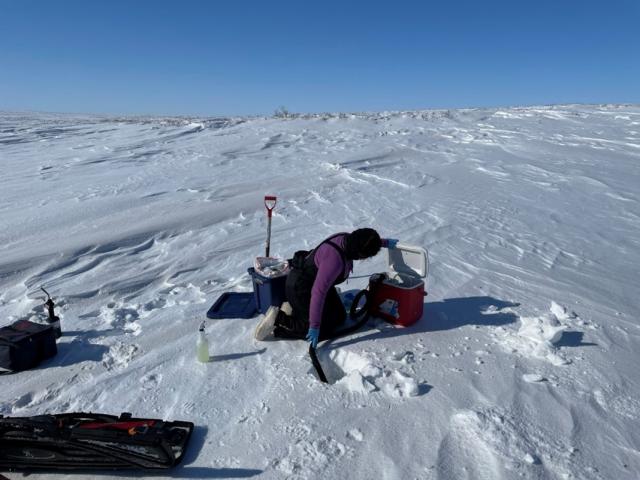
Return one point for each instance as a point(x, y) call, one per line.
point(298, 293)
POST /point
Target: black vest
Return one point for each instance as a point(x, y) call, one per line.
point(304, 262)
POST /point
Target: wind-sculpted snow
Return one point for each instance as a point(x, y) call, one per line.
point(523, 365)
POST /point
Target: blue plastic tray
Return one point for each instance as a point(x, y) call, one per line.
point(234, 305)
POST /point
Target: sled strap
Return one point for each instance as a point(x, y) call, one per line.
point(118, 425)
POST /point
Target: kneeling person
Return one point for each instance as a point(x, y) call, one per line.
point(314, 309)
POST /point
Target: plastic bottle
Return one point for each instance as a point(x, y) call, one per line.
point(202, 346)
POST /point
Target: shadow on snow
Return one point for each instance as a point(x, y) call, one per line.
point(449, 314)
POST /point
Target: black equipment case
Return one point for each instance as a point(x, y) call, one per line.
point(25, 344)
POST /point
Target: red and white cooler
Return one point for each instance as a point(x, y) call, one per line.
point(398, 296)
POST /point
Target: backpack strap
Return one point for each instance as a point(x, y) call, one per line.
point(339, 249)
point(305, 259)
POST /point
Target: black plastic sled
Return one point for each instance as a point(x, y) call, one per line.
point(89, 441)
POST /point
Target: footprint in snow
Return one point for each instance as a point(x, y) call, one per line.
point(180, 295)
point(119, 356)
point(119, 316)
point(355, 434)
point(151, 381)
point(154, 304)
point(33, 399)
point(308, 458)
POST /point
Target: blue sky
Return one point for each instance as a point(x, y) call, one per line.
point(250, 57)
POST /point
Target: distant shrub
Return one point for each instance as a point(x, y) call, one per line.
point(282, 112)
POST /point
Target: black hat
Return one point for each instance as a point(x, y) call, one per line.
point(362, 243)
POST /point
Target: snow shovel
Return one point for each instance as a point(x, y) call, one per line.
point(270, 204)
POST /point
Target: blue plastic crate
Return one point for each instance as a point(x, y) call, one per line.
point(267, 291)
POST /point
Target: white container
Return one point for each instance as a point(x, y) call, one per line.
point(407, 264)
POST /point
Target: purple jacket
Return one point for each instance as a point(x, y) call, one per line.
point(331, 270)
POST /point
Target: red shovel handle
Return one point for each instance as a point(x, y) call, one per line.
point(270, 203)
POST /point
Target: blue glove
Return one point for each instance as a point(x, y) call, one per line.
point(391, 242)
point(312, 336)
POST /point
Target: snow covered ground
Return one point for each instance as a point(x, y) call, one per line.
point(524, 365)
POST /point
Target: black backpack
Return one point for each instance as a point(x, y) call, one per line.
point(25, 344)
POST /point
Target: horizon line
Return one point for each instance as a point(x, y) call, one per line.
point(292, 114)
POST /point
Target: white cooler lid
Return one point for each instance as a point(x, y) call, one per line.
point(408, 260)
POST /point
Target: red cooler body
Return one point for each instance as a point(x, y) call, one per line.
point(398, 295)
